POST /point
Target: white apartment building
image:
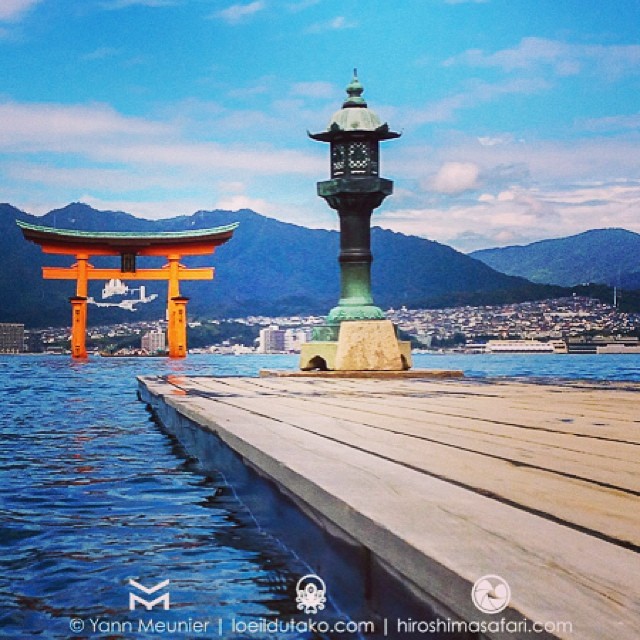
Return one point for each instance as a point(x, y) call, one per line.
point(154, 341)
point(275, 340)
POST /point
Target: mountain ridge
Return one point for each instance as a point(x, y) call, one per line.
point(608, 256)
point(270, 267)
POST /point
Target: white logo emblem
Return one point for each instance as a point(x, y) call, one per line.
point(311, 592)
point(133, 598)
point(491, 594)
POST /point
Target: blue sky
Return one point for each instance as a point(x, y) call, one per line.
point(520, 119)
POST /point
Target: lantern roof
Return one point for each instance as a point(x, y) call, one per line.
point(355, 116)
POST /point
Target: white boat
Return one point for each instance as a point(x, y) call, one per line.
point(525, 346)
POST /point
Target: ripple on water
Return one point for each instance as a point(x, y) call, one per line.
point(94, 493)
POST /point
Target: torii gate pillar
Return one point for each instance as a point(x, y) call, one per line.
point(78, 326)
point(177, 328)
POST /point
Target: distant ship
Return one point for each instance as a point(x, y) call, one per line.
point(605, 345)
point(517, 346)
point(132, 353)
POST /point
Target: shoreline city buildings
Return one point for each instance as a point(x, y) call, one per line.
point(12, 338)
point(581, 324)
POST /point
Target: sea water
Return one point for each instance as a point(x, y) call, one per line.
point(95, 494)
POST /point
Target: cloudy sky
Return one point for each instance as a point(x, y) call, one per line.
point(520, 118)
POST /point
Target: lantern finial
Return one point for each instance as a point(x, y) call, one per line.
point(354, 91)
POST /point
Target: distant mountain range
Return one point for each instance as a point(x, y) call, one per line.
point(607, 256)
point(268, 268)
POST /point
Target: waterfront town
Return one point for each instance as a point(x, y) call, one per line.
point(572, 321)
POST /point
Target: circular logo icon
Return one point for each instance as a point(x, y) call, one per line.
point(311, 591)
point(491, 594)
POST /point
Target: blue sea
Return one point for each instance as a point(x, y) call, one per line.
point(94, 493)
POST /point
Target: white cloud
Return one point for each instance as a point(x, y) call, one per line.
point(477, 93)
point(455, 177)
point(45, 174)
point(335, 24)
point(11, 10)
point(492, 141)
point(101, 53)
point(259, 87)
point(302, 5)
point(546, 162)
point(241, 201)
point(520, 215)
point(157, 209)
point(56, 153)
point(123, 4)
point(317, 89)
point(231, 186)
point(236, 13)
point(211, 156)
point(516, 192)
point(504, 191)
point(54, 127)
point(564, 59)
point(611, 123)
point(152, 209)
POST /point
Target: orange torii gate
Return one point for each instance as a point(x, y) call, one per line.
point(172, 245)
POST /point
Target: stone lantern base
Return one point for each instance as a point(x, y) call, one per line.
point(367, 345)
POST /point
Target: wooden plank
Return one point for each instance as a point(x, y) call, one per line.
point(605, 462)
point(501, 437)
point(457, 398)
point(561, 420)
point(538, 398)
point(624, 405)
point(230, 386)
point(622, 401)
point(307, 386)
point(612, 513)
point(543, 408)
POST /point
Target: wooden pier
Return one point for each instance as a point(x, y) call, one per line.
point(445, 481)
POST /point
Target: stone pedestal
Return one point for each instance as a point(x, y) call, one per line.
point(368, 345)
